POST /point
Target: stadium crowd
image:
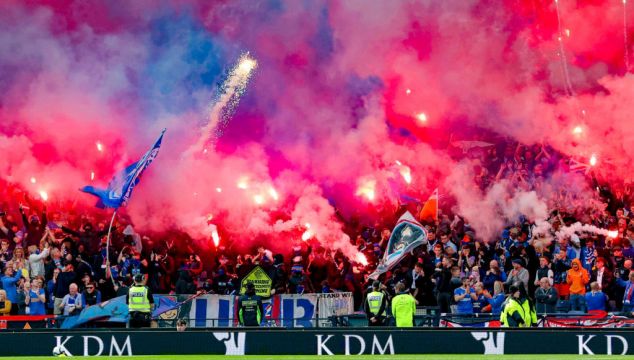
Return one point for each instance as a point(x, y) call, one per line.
point(57, 263)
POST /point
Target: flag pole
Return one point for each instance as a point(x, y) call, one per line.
point(437, 206)
point(114, 214)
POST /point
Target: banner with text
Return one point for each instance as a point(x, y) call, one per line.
point(287, 310)
point(343, 341)
point(334, 304)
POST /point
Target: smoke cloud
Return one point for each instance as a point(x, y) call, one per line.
point(336, 100)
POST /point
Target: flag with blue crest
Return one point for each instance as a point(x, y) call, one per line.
point(120, 187)
point(407, 235)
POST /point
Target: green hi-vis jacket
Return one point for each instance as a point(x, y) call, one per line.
point(518, 315)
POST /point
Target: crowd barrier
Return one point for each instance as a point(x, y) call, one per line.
point(431, 317)
point(207, 311)
point(288, 310)
point(26, 322)
point(318, 341)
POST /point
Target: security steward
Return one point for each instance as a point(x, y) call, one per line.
point(375, 305)
point(403, 306)
point(140, 302)
point(519, 310)
point(250, 307)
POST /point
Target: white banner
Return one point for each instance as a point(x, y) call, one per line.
point(298, 310)
point(334, 304)
point(288, 310)
point(212, 311)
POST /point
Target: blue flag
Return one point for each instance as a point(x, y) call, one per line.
point(120, 187)
point(116, 310)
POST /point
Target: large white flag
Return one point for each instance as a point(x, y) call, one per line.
point(407, 235)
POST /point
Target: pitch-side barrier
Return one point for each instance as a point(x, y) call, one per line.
point(321, 341)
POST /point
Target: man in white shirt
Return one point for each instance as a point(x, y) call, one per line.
point(36, 260)
point(72, 302)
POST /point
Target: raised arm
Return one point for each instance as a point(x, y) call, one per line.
point(4, 229)
point(17, 276)
point(42, 255)
point(44, 217)
point(70, 231)
point(25, 220)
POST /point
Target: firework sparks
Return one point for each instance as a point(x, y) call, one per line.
point(367, 189)
point(406, 173)
point(421, 117)
point(216, 238)
point(626, 47)
point(562, 52)
point(214, 231)
point(242, 184)
point(274, 195)
point(44, 195)
point(361, 259)
point(593, 160)
point(246, 65)
point(226, 101)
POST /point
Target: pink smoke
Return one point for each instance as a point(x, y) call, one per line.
point(334, 81)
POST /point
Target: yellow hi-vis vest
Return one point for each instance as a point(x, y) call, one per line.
point(138, 299)
point(375, 299)
point(528, 315)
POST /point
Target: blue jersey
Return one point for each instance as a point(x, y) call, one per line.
point(464, 306)
point(479, 304)
point(36, 307)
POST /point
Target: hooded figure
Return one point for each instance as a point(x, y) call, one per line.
point(34, 227)
point(185, 283)
point(278, 275)
point(577, 277)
